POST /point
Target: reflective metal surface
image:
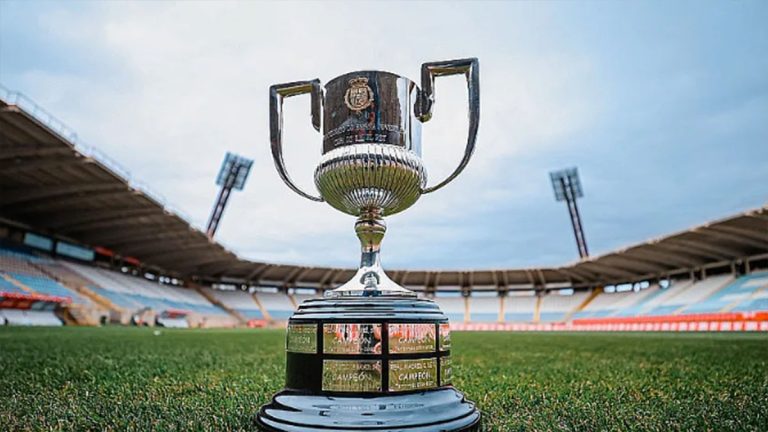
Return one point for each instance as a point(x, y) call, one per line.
point(437, 410)
point(371, 165)
point(411, 338)
point(352, 375)
point(445, 337)
point(446, 372)
point(301, 338)
point(351, 338)
point(417, 374)
point(357, 178)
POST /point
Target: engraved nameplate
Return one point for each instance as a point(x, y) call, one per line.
point(352, 338)
point(445, 337)
point(301, 338)
point(352, 375)
point(412, 374)
point(446, 373)
point(411, 338)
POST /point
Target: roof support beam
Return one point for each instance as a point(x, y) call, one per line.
point(571, 274)
point(77, 219)
point(719, 251)
point(335, 279)
point(638, 264)
point(664, 258)
point(609, 270)
point(66, 202)
point(749, 240)
point(34, 150)
point(326, 276)
point(111, 224)
point(289, 278)
point(704, 256)
point(21, 195)
point(116, 239)
point(17, 166)
point(212, 265)
point(162, 254)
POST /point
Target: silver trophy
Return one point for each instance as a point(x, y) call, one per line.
point(370, 355)
point(371, 164)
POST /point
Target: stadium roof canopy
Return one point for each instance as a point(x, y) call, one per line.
point(53, 185)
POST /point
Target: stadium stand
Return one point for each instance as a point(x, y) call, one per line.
point(559, 304)
point(240, 301)
point(608, 304)
point(135, 293)
point(739, 294)
point(452, 305)
point(520, 306)
point(301, 298)
point(484, 306)
point(20, 317)
point(58, 191)
point(25, 272)
point(277, 305)
point(7, 286)
point(681, 295)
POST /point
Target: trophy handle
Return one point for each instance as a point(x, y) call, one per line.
point(471, 69)
point(277, 93)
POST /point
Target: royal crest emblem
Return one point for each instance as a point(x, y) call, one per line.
point(359, 95)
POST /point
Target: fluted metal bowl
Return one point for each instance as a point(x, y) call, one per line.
point(362, 177)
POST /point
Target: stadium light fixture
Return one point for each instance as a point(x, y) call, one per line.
point(567, 187)
point(232, 176)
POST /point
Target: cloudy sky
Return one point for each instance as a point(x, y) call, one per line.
point(663, 106)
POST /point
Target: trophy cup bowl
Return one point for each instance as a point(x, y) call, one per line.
point(370, 355)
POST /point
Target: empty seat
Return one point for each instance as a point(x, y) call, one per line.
point(278, 305)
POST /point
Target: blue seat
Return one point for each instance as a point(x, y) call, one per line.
point(551, 316)
point(251, 313)
point(518, 316)
point(47, 286)
point(8, 287)
point(484, 317)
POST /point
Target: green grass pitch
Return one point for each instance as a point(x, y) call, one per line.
point(122, 379)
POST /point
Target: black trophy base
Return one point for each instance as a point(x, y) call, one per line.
point(437, 410)
point(368, 364)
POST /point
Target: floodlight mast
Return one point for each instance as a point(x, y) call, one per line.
point(232, 175)
point(567, 187)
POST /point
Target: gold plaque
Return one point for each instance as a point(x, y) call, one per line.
point(352, 375)
point(412, 374)
point(445, 337)
point(411, 338)
point(446, 373)
point(352, 338)
point(301, 338)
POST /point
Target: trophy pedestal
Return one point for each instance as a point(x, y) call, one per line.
point(368, 364)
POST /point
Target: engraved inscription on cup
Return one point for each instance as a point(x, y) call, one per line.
point(416, 374)
point(411, 338)
point(446, 373)
point(371, 107)
point(351, 338)
point(445, 337)
point(301, 338)
point(352, 375)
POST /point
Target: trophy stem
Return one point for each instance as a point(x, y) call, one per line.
point(370, 279)
point(370, 228)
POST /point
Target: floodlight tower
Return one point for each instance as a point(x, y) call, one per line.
point(232, 175)
point(567, 188)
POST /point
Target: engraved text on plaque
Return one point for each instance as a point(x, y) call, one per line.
point(411, 338)
point(352, 375)
point(412, 374)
